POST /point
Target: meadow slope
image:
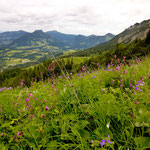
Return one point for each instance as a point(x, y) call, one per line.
point(108, 108)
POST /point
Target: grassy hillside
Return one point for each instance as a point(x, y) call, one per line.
point(105, 109)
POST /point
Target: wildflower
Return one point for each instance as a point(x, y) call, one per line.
point(71, 85)
point(19, 133)
point(22, 82)
point(29, 95)
point(43, 116)
point(108, 141)
point(27, 99)
point(49, 68)
point(91, 141)
point(46, 108)
point(103, 69)
point(45, 100)
point(136, 102)
point(118, 60)
point(83, 68)
point(102, 143)
point(125, 72)
point(118, 68)
point(149, 76)
point(115, 56)
point(2, 134)
point(103, 90)
point(124, 57)
point(36, 98)
point(55, 90)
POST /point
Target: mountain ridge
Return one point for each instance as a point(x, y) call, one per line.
point(55, 38)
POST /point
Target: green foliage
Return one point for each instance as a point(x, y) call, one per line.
point(79, 111)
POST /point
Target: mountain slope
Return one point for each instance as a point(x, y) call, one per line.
point(37, 38)
point(137, 31)
point(77, 42)
point(8, 37)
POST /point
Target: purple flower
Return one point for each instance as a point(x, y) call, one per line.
point(102, 143)
point(91, 141)
point(108, 141)
point(103, 90)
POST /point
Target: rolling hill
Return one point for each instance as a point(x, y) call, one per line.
point(63, 41)
point(9, 36)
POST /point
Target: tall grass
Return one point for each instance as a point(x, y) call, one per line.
point(106, 109)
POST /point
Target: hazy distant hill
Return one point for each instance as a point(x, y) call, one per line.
point(137, 31)
point(60, 40)
point(37, 38)
point(8, 37)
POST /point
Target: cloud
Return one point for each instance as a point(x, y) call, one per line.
point(73, 16)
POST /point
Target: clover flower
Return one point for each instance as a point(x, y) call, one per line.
point(46, 108)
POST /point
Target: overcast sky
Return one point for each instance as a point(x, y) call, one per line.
point(72, 16)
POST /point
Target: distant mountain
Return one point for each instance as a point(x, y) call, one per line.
point(61, 36)
point(60, 40)
point(8, 37)
point(71, 41)
point(37, 38)
point(137, 31)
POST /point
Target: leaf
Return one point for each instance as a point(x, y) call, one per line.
point(142, 142)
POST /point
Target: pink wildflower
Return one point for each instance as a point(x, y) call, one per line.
point(136, 102)
point(118, 68)
point(125, 72)
point(83, 68)
point(19, 133)
point(27, 99)
point(2, 134)
point(43, 116)
point(46, 108)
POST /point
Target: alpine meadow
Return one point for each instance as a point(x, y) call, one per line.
point(74, 75)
